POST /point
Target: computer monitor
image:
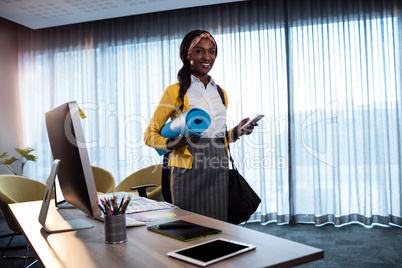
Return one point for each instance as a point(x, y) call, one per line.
point(71, 166)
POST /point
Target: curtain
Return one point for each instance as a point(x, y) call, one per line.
point(344, 66)
point(326, 74)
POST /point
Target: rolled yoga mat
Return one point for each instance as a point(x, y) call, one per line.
point(191, 123)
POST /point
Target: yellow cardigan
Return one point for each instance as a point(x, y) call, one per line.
point(168, 108)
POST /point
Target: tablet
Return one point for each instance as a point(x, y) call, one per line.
point(183, 230)
point(211, 251)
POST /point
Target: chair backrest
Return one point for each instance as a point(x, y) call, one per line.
point(148, 175)
point(104, 180)
point(17, 189)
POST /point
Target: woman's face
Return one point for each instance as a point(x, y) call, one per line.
point(203, 57)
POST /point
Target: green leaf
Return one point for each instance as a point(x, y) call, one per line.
point(5, 154)
point(18, 151)
point(9, 161)
point(24, 151)
point(30, 157)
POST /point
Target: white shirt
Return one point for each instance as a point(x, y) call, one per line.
point(210, 101)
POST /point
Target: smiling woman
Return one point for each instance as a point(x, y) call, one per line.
point(197, 183)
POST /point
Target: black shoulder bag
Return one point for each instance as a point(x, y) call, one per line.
point(242, 200)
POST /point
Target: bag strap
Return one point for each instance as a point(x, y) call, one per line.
point(230, 155)
point(220, 91)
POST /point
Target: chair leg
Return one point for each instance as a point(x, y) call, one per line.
point(6, 235)
point(26, 257)
point(10, 248)
point(35, 261)
point(9, 242)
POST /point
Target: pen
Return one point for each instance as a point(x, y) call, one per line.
point(121, 204)
point(105, 207)
point(110, 206)
point(115, 208)
point(127, 202)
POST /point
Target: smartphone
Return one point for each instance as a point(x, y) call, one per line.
point(253, 119)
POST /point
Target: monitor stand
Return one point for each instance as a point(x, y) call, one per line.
point(63, 226)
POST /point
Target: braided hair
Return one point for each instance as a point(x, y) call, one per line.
point(184, 74)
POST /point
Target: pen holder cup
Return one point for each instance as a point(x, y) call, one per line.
point(115, 229)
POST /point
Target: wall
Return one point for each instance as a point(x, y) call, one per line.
point(10, 115)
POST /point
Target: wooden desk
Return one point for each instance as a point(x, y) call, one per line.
point(87, 248)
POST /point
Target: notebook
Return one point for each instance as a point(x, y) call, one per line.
point(183, 230)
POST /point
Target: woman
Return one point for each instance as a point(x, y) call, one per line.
point(198, 166)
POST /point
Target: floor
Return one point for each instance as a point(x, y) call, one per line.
point(349, 246)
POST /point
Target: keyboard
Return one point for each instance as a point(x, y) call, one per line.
point(130, 222)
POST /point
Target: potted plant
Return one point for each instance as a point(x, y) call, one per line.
point(25, 157)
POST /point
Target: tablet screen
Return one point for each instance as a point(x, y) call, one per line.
point(210, 252)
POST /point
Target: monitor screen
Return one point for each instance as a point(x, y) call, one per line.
point(74, 172)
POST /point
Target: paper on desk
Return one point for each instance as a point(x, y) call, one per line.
point(144, 204)
point(138, 204)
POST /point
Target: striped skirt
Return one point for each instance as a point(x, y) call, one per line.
point(204, 188)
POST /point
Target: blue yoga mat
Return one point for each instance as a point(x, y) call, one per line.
point(191, 123)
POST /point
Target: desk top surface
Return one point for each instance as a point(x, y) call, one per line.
point(87, 248)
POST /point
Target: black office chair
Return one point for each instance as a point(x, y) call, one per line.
point(141, 182)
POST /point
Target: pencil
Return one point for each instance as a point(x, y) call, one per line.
point(104, 213)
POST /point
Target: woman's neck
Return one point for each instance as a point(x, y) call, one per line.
point(204, 78)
